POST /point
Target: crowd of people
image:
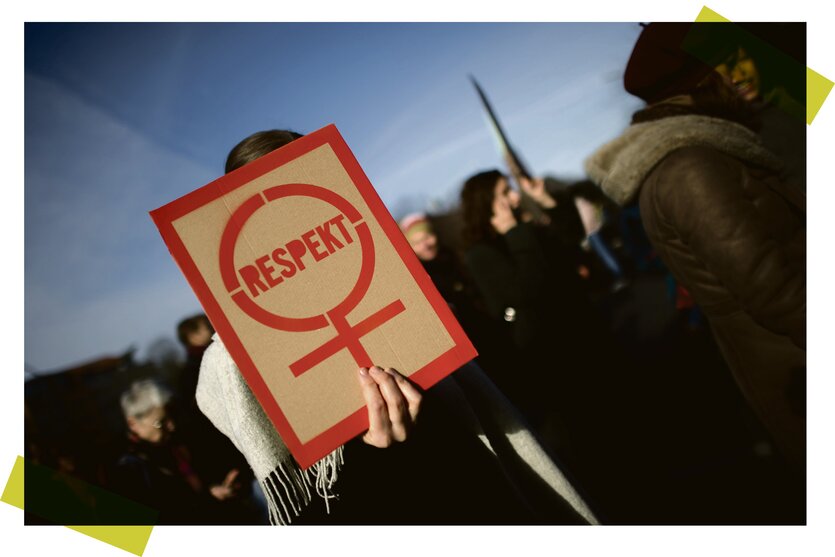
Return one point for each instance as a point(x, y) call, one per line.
point(572, 413)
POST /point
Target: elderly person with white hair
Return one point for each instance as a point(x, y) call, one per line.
point(158, 469)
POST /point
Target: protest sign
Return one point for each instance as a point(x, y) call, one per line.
point(306, 277)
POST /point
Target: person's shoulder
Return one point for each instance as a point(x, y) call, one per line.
point(692, 158)
point(695, 169)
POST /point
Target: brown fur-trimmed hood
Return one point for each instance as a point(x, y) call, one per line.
point(620, 166)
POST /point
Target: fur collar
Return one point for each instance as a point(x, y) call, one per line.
point(620, 166)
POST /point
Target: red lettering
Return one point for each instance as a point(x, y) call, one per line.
point(297, 250)
point(337, 220)
point(289, 268)
point(330, 241)
point(320, 242)
point(312, 245)
point(252, 278)
point(267, 271)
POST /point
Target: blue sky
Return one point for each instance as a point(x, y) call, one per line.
point(123, 118)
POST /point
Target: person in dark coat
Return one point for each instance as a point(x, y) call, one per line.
point(720, 218)
point(527, 276)
point(207, 444)
point(195, 334)
point(441, 264)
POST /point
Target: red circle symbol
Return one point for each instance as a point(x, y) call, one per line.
point(227, 257)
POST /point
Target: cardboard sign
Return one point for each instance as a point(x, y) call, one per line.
point(306, 277)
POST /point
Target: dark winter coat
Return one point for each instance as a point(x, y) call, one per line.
point(528, 279)
point(735, 236)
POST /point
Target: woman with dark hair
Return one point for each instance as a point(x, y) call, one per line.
point(720, 218)
point(439, 470)
point(256, 146)
point(527, 276)
point(524, 271)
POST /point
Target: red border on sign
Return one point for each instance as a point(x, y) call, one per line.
point(307, 454)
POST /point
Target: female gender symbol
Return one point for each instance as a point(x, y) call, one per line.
point(347, 336)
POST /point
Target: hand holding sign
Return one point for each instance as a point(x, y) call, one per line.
point(393, 406)
point(305, 275)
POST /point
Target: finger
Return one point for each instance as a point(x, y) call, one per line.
point(413, 396)
point(219, 492)
point(398, 411)
point(230, 477)
point(378, 419)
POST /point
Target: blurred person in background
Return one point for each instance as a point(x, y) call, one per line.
point(206, 442)
point(719, 216)
point(527, 276)
point(491, 338)
point(447, 273)
point(592, 207)
point(517, 266)
point(195, 334)
point(159, 468)
point(439, 262)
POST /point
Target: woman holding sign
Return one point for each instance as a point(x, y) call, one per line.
point(423, 460)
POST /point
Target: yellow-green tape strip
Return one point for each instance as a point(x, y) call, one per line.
point(817, 86)
point(709, 16)
point(817, 89)
point(13, 493)
point(132, 539)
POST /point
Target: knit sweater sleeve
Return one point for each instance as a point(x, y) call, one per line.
point(225, 398)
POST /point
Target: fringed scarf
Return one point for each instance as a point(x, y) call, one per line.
point(290, 486)
point(224, 397)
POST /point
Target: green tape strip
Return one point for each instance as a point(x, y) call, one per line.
point(817, 86)
point(62, 499)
